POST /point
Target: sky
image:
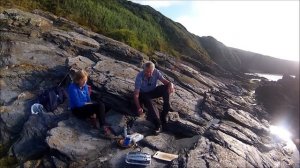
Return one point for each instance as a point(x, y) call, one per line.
point(266, 27)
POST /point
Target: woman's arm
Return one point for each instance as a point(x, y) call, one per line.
point(86, 88)
point(74, 97)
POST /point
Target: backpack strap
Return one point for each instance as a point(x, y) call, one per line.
point(64, 77)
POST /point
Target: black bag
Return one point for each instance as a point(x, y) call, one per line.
point(52, 97)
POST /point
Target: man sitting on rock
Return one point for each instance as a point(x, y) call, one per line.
point(146, 90)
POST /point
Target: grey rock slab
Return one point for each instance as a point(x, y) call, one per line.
point(25, 18)
point(79, 62)
point(63, 37)
point(15, 115)
point(75, 140)
point(247, 120)
point(209, 154)
point(239, 132)
point(142, 126)
point(120, 51)
point(161, 142)
point(31, 144)
point(250, 153)
point(182, 127)
point(35, 54)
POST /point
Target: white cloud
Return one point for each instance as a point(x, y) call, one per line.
point(270, 28)
point(157, 4)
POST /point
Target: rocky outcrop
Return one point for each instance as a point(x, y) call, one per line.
point(236, 60)
point(31, 142)
point(281, 99)
point(31, 63)
point(75, 140)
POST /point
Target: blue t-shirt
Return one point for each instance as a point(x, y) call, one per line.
point(78, 97)
point(144, 84)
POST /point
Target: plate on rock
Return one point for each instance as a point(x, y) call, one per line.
point(165, 156)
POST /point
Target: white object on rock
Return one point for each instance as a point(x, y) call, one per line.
point(136, 137)
point(37, 108)
point(164, 156)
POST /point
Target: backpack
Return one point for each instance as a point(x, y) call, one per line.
point(51, 98)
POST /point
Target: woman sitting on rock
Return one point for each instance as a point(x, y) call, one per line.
point(80, 101)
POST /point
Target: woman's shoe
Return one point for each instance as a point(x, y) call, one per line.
point(93, 122)
point(107, 132)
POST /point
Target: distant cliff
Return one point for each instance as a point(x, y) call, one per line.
point(238, 60)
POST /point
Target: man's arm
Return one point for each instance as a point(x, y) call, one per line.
point(169, 84)
point(165, 81)
point(136, 101)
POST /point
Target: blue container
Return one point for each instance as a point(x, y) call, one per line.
point(127, 141)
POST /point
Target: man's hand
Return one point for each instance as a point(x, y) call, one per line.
point(140, 111)
point(171, 88)
point(137, 102)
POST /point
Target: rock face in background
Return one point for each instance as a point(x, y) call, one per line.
point(236, 60)
point(281, 99)
point(36, 53)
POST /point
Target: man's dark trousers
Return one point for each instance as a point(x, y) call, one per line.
point(153, 113)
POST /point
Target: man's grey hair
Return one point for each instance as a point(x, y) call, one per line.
point(148, 64)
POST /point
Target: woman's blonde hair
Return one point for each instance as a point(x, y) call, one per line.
point(80, 75)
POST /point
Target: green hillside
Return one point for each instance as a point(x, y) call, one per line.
point(139, 26)
point(147, 30)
